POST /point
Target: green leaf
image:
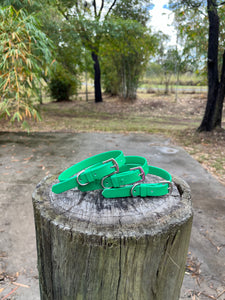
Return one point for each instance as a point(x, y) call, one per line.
point(25, 51)
point(26, 126)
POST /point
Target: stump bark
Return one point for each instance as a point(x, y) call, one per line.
point(92, 248)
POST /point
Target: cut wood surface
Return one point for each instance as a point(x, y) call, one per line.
point(90, 247)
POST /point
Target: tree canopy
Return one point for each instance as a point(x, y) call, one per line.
point(91, 24)
point(88, 19)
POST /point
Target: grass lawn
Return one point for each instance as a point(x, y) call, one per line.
point(150, 113)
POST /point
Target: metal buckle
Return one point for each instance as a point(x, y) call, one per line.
point(115, 165)
point(170, 186)
point(131, 191)
point(77, 178)
point(142, 173)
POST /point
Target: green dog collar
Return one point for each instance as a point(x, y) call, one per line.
point(89, 170)
point(144, 189)
point(134, 170)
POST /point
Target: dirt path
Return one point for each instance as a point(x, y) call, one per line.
point(26, 159)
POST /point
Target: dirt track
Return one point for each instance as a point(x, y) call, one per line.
point(26, 159)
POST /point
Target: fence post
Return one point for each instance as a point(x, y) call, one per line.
point(94, 248)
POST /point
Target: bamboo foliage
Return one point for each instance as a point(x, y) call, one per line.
point(126, 50)
point(25, 54)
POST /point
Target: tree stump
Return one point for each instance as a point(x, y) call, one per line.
point(93, 248)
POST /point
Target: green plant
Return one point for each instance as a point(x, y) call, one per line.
point(63, 84)
point(60, 90)
point(125, 51)
point(25, 53)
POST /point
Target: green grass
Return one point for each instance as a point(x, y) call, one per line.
point(151, 113)
point(184, 79)
point(187, 83)
point(88, 116)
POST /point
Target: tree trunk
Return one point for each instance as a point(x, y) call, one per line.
point(220, 96)
point(123, 80)
point(97, 81)
point(212, 116)
point(128, 82)
point(93, 248)
point(166, 92)
point(131, 92)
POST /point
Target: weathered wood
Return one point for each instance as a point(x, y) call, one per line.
point(94, 248)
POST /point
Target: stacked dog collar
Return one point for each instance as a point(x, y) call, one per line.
point(117, 175)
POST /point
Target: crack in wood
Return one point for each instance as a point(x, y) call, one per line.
point(119, 278)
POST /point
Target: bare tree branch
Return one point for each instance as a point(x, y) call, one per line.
point(101, 8)
point(111, 7)
point(95, 9)
point(220, 4)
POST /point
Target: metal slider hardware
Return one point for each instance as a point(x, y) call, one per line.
point(170, 187)
point(115, 165)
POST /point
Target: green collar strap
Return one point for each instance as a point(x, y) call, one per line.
point(117, 175)
point(144, 189)
point(134, 170)
point(89, 170)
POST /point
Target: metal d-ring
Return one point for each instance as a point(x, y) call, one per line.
point(133, 187)
point(170, 186)
point(77, 178)
point(115, 165)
